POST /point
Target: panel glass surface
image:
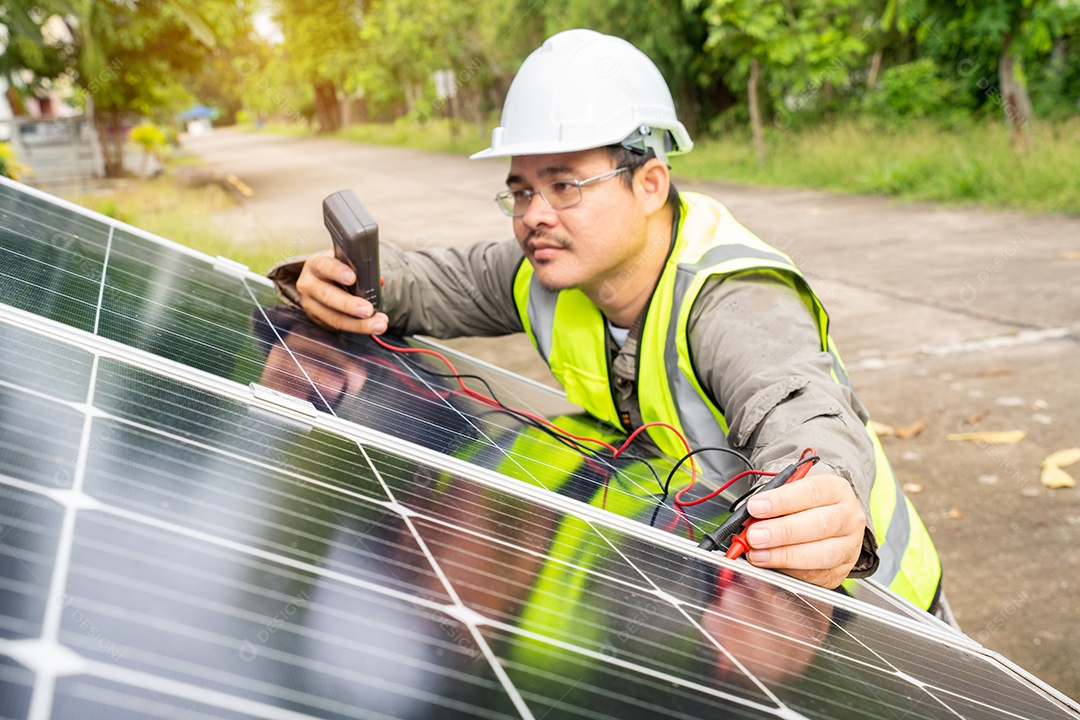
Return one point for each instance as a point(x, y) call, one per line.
point(51, 260)
point(29, 530)
point(16, 689)
point(166, 302)
point(206, 555)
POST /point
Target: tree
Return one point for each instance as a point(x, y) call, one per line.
point(670, 32)
point(798, 45)
point(126, 57)
point(322, 46)
point(1009, 28)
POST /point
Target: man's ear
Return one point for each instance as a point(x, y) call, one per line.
point(652, 183)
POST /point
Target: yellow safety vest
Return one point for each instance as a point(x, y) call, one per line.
point(570, 333)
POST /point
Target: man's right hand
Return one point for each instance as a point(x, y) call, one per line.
point(329, 305)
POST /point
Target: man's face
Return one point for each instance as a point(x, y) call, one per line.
point(588, 245)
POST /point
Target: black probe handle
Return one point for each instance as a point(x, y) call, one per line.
point(734, 523)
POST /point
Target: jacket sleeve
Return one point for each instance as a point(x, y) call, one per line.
point(757, 352)
point(441, 292)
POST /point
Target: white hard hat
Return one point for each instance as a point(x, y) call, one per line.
point(583, 90)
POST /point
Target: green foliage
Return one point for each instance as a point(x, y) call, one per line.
point(916, 91)
point(925, 162)
point(801, 45)
point(10, 167)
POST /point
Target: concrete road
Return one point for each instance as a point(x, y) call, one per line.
point(964, 320)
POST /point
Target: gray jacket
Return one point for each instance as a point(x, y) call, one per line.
point(753, 341)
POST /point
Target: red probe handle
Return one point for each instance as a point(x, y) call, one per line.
point(739, 543)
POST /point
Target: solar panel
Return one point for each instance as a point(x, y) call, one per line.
point(209, 508)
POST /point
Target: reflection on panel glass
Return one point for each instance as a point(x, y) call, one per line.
point(166, 302)
point(33, 362)
point(189, 610)
point(180, 410)
point(39, 438)
point(29, 529)
point(16, 688)
point(51, 260)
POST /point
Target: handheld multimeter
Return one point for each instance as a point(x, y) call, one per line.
point(356, 242)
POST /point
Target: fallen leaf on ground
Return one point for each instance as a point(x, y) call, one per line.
point(994, 373)
point(991, 437)
point(1055, 477)
point(976, 416)
point(1071, 255)
point(912, 488)
point(1062, 458)
point(881, 429)
point(909, 431)
point(954, 514)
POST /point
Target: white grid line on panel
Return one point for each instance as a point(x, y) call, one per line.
point(42, 698)
point(626, 665)
point(101, 287)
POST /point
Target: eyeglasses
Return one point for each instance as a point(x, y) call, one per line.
point(558, 194)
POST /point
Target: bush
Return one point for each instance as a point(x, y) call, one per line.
point(916, 91)
point(148, 136)
point(9, 166)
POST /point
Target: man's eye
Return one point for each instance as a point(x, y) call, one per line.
point(561, 186)
point(520, 195)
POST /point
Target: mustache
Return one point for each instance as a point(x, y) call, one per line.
point(547, 238)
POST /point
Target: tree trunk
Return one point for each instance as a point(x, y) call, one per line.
point(346, 110)
point(327, 107)
point(112, 143)
point(1014, 96)
point(755, 110)
point(875, 68)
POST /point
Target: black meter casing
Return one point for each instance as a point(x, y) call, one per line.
point(356, 242)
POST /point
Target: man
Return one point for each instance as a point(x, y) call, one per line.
point(649, 306)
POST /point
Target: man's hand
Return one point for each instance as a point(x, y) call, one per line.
point(811, 529)
point(330, 306)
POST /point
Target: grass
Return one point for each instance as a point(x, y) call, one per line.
point(923, 162)
point(169, 208)
point(437, 135)
point(973, 165)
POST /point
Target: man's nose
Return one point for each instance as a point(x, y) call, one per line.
point(538, 212)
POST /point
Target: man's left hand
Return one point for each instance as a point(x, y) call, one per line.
point(811, 529)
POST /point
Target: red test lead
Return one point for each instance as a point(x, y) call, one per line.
point(740, 518)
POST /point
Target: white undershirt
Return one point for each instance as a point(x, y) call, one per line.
point(618, 334)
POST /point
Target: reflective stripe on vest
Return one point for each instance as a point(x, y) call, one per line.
point(570, 333)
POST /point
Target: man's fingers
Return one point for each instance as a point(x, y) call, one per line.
point(331, 319)
point(818, 555)
point(327, 267)
point(807, 526)
point(329, 305)
point(824, 562)
point(812, 529)
point(809, 492)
